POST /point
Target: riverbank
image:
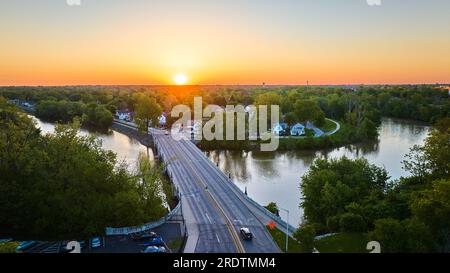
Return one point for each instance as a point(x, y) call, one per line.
point(144, 139)
point(342, 135)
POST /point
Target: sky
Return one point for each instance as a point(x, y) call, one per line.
point(111, 42)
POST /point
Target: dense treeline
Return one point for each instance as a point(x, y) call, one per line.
point(92, 115)
point(408, 215)
point(358, 109)
point(62, 186)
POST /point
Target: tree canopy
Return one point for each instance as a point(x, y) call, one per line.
point(62, 185)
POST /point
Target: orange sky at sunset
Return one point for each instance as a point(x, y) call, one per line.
point(277, 42)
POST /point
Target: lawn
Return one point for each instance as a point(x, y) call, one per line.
point(280, 239)
point(328, 126)
point(175, 245)
point(339, 243)
point(343, 243)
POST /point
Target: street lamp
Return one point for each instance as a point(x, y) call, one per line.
point(287, 227)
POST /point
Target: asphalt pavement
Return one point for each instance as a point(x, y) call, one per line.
point(213, 210)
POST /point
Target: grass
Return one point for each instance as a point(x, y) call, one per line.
point(175, 245)
point(339, 243)
point(280, 239)
point(343, 243)
point(328, 126)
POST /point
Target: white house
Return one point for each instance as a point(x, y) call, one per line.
point(279, 129)
point(162, 119)
point(123, 115)
point(298, 130)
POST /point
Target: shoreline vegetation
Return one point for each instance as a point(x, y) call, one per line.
point(358, 109)
point(90, 188)
point(348, 196)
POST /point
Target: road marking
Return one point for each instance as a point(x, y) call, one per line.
point(237, 242)
point(217, 236)
point(207, 216)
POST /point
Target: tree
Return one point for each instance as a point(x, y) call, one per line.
point(308, 110)
point(331, 185)
point(408, 236)
point(273, 208)
point(97, 116)
point(350, 222)
point(66, 186)
point(432, 159)
point(432, 206)
point(305, 236)
point(389, 233)
point(147, 112)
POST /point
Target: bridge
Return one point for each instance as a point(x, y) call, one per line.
point(213, 206)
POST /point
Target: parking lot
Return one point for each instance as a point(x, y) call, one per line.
point(169, 237)
point(169, 232)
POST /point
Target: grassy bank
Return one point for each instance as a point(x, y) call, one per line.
point(343, 243)
point(346, 135)
point(339, 243)
point(280, 239)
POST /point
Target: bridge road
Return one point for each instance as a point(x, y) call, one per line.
point(217, 210)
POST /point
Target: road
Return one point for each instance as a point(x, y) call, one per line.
point(214, 211)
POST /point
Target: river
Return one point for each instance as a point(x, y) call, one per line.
point(275, 177)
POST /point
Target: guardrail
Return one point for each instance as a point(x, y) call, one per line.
point(278, 220)
point(128, 230)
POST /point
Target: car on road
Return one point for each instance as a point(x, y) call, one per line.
point(157, 241)
point(246, 234)
point(96, 242)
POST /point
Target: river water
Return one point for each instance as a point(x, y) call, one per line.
point(276, 176)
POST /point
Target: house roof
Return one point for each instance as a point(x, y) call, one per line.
point(298, 125)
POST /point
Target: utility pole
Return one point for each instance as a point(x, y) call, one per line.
point(287, 228)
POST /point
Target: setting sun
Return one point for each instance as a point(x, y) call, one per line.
point(180, 79)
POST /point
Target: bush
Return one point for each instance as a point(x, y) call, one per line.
point(273, 208)
point(305, 236)
point(333, 223)
point(350, 222)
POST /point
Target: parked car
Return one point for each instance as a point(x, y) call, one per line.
point(140, 236)
point(25, 245)
point(246, 234)
point(96, 242)
point(155, 249)
point(157, 241)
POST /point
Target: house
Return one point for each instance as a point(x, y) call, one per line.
point(298, 130)
point(123, 115)
point(280, 129)
point(26, 104)
point(163, 119)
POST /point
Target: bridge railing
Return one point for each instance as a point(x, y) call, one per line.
point(145, 227)
point(277, 219)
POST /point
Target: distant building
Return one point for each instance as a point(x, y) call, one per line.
point(163, 119)
point(280, 129)
point(298, 130)
point(124, 115)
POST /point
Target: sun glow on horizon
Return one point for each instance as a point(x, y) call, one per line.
point(180, 79)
